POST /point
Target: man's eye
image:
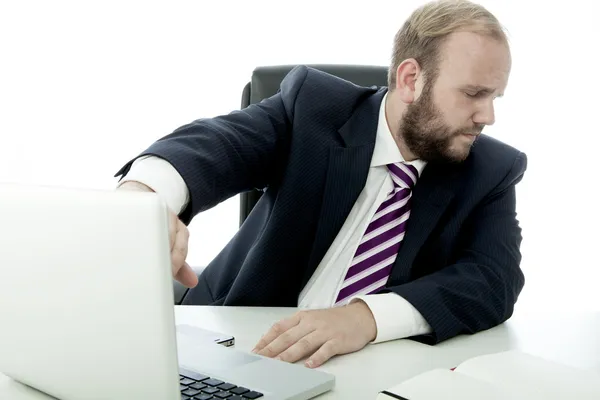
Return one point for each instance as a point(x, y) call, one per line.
point(478, 95)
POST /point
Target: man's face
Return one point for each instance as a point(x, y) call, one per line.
point(444, 121)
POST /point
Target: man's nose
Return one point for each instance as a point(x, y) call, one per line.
point(485, 115)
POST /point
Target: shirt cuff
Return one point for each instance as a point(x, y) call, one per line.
point(395, 317)
point(163, 178)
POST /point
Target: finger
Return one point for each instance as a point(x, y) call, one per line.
point(325, 352)
point(173, 220)
point(180, 249)
point(276, 330)
point(187, 276)
point(285, 340)
point(303, 347)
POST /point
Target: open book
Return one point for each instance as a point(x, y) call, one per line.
point(508, 375)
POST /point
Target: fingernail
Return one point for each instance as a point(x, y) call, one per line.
point(309, 364)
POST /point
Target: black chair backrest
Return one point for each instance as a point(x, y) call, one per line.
point(266, 80)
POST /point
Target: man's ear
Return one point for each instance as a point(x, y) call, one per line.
point(407, 74)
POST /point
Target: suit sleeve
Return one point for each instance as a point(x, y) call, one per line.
point(480, 289)
point(222, 156)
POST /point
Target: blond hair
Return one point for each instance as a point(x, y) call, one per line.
point(425, 30)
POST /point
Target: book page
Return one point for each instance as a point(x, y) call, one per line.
point(446, 384)
point(532, 377)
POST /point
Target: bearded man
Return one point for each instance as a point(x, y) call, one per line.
point(386, 213)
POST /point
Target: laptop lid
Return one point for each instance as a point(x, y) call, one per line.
point(86, 293)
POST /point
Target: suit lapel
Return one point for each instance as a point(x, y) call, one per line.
point(431, 196)
point(346, 176)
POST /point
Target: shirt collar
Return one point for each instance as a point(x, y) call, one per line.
point(386, 150)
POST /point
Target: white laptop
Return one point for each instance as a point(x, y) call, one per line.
point(86, 306)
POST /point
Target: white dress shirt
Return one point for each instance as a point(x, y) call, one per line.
point(394, 316)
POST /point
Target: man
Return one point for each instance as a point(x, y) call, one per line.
point(387, 214)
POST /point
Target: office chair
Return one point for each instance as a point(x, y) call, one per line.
point(264, 83)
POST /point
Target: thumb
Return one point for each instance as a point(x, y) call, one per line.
point(186, 276)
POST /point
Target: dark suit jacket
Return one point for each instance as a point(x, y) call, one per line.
point(309, 146)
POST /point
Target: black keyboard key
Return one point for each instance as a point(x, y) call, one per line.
point(183, 387)
point(239, 390)
point(252, 395)
point(223, 395)
point(198, 386)
point(184, 397)
point(191, 392)
point(203, 396)
point(210, 390)
point(186, 381)
point(213, 382)
point(192, 375)
point(226, 386)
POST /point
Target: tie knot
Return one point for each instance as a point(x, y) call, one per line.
point(403, 175)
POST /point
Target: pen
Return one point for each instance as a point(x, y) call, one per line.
point(393, 395)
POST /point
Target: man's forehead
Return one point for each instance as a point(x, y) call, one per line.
point(475, 59)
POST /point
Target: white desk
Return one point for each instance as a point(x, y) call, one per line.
point(573, 340)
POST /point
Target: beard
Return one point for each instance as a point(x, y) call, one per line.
point(429, 138)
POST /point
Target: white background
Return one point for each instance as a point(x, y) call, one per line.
point(85, 86)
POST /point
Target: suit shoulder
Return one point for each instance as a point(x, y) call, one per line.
point(320, 93)
point(490, 157)
point(490, 150)
point(334, 86)
point(318, 84)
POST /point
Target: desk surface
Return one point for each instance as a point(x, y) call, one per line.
point(572, 339)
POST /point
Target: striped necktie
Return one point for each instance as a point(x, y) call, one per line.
point(377, 251)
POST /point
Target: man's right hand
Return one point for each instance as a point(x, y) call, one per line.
point(178, 240)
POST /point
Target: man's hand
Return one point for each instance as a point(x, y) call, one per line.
point(178, 240)
point(179, 236)
point(320, 334)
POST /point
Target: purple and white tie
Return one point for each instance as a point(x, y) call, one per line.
point(377, 251)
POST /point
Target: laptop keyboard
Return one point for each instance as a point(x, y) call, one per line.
point(196, 386)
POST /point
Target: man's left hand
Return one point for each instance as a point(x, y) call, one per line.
point(320, 334)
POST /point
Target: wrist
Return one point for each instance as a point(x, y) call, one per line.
point(366, 319)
